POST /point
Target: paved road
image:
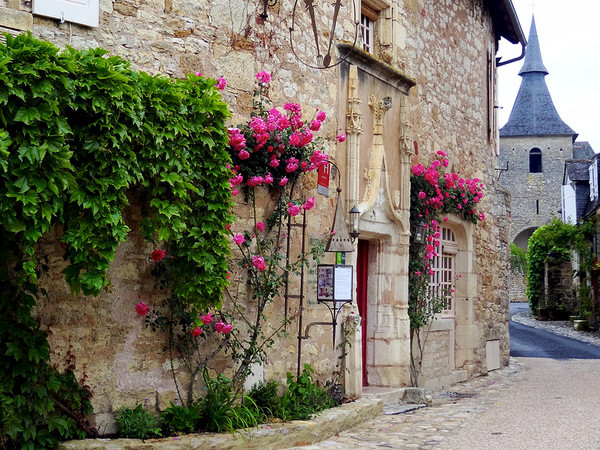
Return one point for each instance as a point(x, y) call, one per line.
point(543, 403)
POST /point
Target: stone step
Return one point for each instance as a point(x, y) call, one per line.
point(392, 396)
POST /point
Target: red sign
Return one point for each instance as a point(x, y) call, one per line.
point(323, 179)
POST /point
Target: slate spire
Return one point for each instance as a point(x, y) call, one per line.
point(533, 113)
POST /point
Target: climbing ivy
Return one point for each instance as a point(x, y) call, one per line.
point(81, 136)
point(553, 243)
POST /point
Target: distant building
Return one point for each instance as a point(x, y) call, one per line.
point(535, 143)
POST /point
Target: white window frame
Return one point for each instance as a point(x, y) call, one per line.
point(443, 278)
point(366, 32)
point(83, 12)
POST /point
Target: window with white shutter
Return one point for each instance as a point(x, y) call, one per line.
point(593, 169)
point(569, 205)
point(83, 12)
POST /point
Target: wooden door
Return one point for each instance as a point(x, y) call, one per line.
point(362, 283)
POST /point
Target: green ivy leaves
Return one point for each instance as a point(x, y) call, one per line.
point(81, 134)
point(81, 131)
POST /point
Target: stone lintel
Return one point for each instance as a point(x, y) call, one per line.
point(376, 68)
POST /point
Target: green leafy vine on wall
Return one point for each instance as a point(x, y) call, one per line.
point(81, 135)
point(553, 243)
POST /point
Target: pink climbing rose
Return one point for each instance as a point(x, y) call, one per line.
point(239, 239)
point(196, 331)
point(263, 77)
point(259, 263)
point(157, 255)
point(141, 309)
point(309, 204)
point(207, 318)
point(221, 83)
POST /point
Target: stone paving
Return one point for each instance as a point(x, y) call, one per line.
point(452, 409)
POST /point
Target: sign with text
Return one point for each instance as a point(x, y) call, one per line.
point(334, 283)
point(323, 179)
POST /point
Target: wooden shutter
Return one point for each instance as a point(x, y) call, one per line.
point(83, 12)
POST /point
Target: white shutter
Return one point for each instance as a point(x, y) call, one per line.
point(593, 170)
point(84, 12)
point(569, 205)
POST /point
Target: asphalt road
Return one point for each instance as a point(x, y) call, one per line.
point(556, 404)
point(530, 342)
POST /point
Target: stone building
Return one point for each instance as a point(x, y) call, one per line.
point(420, 77)
point(534, 145)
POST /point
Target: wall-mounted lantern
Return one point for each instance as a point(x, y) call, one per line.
point(355, 217)
point(420, 233)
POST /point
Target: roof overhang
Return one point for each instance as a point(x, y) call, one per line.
point(506, 22)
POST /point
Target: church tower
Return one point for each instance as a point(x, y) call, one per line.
point(535, 142)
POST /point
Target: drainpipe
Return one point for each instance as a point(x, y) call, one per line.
point(510, 10)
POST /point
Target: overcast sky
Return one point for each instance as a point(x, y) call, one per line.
point(569, 36)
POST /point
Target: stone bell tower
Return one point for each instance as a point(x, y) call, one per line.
point(535, 142)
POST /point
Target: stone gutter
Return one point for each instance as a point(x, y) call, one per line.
point(267, 436)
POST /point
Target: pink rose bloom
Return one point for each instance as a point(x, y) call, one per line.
point(283, 181)
point(315, 125)
point(239, 239)
point(441, 153)
point(304, 165)
point(268, 179)
point(274, 163)
point(227, 328)
point(293, 210)
point(219, 327)
point(263, 77)
point(255, 181)
point(207, 318)
point(259, 263)
point(260, 226)
point(321, 116)
point(341, 137)
point(234, 192)
point(196, 331)
point(445, 162)
point(141, 309)
point(309, 204)
point(295, 139)
point(481, 216)
point(291, 167)
point(422, 195)
point(244, 154)
point(157, 255)
point(221, 83)
point(198, 74)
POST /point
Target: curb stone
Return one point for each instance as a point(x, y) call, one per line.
point(266, 436)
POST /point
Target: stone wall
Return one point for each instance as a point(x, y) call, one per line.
point(518, 286)
point(447, 47)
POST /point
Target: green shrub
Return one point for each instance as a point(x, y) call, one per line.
point(518, 258)
point(304, 397)
point(137, 423)
point(181, 419)
point(266, 398)
point(222, 409)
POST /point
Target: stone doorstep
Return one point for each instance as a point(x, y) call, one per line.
point(392, 396)
point(267, 436)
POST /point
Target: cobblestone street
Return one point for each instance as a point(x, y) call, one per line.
point(448, 422)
